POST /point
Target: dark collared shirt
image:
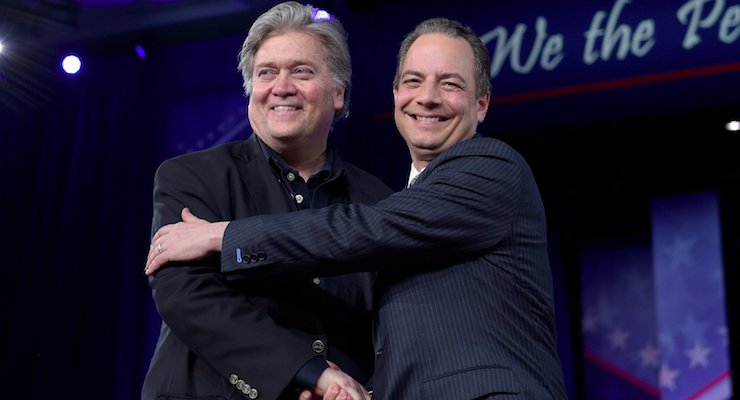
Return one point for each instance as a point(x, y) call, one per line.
point(323, 188)
point(328, 186)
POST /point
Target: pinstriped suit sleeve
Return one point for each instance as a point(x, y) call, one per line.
point(463, 204)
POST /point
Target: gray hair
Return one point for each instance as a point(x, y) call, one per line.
point(452, 29)
point(292, 16)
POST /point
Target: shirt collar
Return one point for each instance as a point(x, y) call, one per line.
point(413, 173)
point(332, 166)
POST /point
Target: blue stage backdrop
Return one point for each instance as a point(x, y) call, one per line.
point(620, 346)
point(654, 322)
point(568, 62)
point(690, 298)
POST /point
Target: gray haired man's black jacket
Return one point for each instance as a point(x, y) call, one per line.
point(247, 339)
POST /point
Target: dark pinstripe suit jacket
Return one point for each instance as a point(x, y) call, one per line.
point(464, 305)
point(260, 331)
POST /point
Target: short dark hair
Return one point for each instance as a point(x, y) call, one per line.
point(453, 29)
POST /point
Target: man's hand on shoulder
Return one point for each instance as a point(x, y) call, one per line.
point(189, 240)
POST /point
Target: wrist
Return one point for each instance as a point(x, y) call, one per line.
point(308, 376)
point(217, 235)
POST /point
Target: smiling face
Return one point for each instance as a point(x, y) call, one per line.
point(293, 98)
point(435, 103)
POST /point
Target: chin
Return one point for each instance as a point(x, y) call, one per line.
point(424, 149)
point(424, 141)
point(284, 133)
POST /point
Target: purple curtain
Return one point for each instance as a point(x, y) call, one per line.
point(77, 158)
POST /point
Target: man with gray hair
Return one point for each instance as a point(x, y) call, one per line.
point(267, 338)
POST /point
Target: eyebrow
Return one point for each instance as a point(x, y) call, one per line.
point(448, 75)
point(292, 64)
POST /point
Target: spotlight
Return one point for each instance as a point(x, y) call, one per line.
point(733, 126)
point(321, 15)
point(1, 46)
point(71, 64)
point(140, 51)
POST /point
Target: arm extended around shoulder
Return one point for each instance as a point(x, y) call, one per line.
point(465, 205)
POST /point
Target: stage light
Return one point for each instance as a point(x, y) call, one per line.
point(733, 126)
point(140, 51)
point(321, 15)
point(1, 46)
point(71, 64)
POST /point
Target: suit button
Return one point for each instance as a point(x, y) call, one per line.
point(290, 176)
point(318, 346)
point(316, 280)
point(378, 353)
point(261, 255)
point(299, 198)
point(246, 388)
point(253, 394)
point(233, 379)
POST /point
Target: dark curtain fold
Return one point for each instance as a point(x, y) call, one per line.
point(76, 181)
point(77, 167)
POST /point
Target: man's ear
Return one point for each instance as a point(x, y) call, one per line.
point(483, 103)
point(339, 98)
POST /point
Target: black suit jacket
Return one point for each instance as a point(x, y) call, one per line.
point(464, 295)
point(247, 339)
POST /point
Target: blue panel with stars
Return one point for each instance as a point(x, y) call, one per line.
point(618, 325)
point(690, 300)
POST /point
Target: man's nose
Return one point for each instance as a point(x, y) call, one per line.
point(283, 85)
point(428, 94)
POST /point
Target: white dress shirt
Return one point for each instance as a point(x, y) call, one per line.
point(413, 173)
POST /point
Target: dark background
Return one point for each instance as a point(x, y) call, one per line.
point(78, 154)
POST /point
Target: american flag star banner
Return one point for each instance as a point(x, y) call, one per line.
point(618, 323)
point(653, 313)
point(690, 298)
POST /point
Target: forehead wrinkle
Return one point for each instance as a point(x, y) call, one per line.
point(412, 72)
point(284, 57)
